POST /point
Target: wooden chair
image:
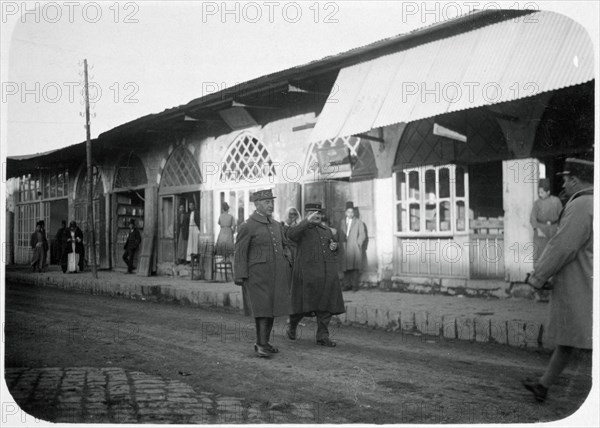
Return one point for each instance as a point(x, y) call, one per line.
point(222, 265)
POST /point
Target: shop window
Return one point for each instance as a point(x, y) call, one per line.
point(56, 184)
point(440, 209)
point(29, 189)
point(248, 160)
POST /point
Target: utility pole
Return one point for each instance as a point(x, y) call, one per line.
point(90, 184)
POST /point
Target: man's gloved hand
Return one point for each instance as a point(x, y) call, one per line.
point(535, 283)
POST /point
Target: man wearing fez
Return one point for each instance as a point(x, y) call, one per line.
point(262, 269)
point(544, 218)
point(567, 262)
point(315, 284)
point(352, 237)
point(134, 239)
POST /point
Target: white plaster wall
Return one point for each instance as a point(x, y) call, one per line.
point(384, 226)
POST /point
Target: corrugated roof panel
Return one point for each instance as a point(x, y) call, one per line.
point(502, 62)
point(371, 96)
point(340, 101)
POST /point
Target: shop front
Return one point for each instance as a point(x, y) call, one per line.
point(179, 187)
point(129, 201)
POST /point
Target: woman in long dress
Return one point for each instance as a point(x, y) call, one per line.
point(224, 245)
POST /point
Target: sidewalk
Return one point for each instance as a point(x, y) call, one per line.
point(512, 321)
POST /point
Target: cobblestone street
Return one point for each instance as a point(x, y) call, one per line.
point(116, 395)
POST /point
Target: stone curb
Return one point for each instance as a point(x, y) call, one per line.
point(430, 327)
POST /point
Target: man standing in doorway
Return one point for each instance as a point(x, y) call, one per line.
point(134, 240)
point(352, 237)
point(183, 224)
point(193, 226)
point(568, 262)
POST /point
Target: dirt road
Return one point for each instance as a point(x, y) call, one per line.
point(371, 377)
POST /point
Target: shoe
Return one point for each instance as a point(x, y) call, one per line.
point(270, 348)
point(327, 342)
point(539, 391)
point(261, 351)
point(291, 332)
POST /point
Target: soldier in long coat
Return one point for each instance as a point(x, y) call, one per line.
point(567, 262)
point(263, 270)
point(352, 238)
point(316, 287)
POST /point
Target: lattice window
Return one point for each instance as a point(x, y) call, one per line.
point(181, 170)
point(247, 160)
point(362, 160)
point(130, 173)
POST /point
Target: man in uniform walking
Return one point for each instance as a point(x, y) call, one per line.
point(262, 269)
point(567, 262)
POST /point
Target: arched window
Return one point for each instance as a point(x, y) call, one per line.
point(247, 160)
point(130, 173)
point(181, 170)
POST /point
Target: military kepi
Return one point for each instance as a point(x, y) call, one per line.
point(262, 195)
point(581, 168)
point(313, 207)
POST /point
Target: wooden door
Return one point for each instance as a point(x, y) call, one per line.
point(166, 229)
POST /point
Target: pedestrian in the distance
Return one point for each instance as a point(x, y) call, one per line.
point(544, 218)
point(352, 238)
point(567, 262)
point(316, 287)
point(224, 245)
point(75, 249)
point(39, 245)
point(134, 239)
point(262, 269)
point(62, 235)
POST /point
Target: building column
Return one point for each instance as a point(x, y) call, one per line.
point(385, 225)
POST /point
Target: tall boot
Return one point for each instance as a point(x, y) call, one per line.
point(260, 347)
point(269, 328)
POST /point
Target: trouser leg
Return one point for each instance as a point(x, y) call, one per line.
point(323, 319)
point(559, 360)
point(261, 331)
point(269, 328)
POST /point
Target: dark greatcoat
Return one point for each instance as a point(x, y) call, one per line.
point(315, 282)
point(351, 256)
point(569, 260)
point(259, 259)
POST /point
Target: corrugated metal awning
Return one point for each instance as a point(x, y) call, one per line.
point(506, 61)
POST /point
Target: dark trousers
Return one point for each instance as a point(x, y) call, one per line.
point(351, 279)
point(128, 258)
point(323, 319)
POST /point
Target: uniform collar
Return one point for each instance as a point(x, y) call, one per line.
point(260, 218)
